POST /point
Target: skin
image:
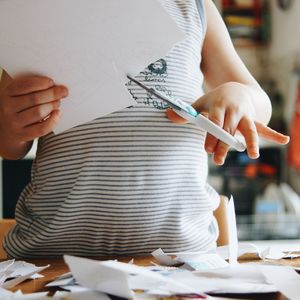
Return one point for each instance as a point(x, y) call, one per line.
point(29, 109)
point(234, 100)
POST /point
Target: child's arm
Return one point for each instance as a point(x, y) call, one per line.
point(234, 100)
point(29, 108)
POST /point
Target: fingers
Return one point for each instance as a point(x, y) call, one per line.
point(41, 128)
point(29, 84)
point(231, 122)
point(272, 135)
point(221, 149)
point(248, 130)
point(37, 113)
point(30, 107)
point(41, 97)
point(217, 117)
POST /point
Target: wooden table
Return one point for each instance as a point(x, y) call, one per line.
point(58, 267)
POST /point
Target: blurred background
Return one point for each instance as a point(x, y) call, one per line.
point(266, 191)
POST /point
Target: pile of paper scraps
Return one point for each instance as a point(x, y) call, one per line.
point(14, 272)
point(186, 275)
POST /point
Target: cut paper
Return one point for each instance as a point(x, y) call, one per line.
point(96, 276)
point(59, 295)
point(89, 46)
point(232, 232)
point(164, 258)
point(63, 280)
point(190, 260)
point(202, 261)
point(274, 252)
point(116, 278)
point(284, 278)
point(14, 272)
point(237, 278)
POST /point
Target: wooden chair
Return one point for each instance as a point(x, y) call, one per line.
point(5, 226)
point(221, 216)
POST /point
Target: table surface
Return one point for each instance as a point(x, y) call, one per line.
point(58, 267)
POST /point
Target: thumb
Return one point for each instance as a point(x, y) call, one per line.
point(171, 114)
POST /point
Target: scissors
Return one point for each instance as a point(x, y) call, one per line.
point(187, 112)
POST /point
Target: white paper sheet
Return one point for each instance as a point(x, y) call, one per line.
point(284, 278)
point(265, 253)
point(201, 261)
point(164, 258)
point(190, 260)
point(89, 46)
point(86, 295)
point(91, 274)
point(8, 295)
point(59, 295)
point(14, 272)
point(232, 231)
point(112, 277)
point(237, 278)
point(13, 282)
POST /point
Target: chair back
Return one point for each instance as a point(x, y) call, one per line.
point(5, 226)
point(221, 216)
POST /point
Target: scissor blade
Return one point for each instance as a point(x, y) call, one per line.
point(155, 93)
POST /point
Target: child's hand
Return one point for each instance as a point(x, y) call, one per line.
point(29, 107)
point(230, 107)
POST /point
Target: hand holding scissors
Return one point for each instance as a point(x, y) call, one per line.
point(188, 113)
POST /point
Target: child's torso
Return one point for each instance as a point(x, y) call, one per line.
point(128, 182)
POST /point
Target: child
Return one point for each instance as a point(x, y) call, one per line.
point(132, 181)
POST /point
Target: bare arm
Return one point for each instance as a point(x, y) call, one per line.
point(234, 100)
point(221, 64)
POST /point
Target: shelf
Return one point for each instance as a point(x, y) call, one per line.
point(237, 8)
point(245, 43)
point(249, 24)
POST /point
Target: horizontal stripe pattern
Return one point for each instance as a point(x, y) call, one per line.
point(131, 181)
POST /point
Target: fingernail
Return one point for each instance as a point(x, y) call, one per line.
point(65, 92)
point(254, 155)
point(219, 161)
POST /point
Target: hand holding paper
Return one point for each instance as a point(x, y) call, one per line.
point(89, 48)
point(29, 108)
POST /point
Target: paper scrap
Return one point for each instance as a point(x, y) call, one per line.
point(13, 282)
point(119, 279)
point(14, 272)
point(86, 295)
point(18, 295)
point(62, 280)
point(232, 231)
point(59, 295)
point(89, 46)
point(237, 278)
point(190, 260)
point(273, 252)
point(96, 276)
point(164, 258)
point(201, 261)
point(284, 278)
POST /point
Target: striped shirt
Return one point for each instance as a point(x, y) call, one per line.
point(131, 181)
